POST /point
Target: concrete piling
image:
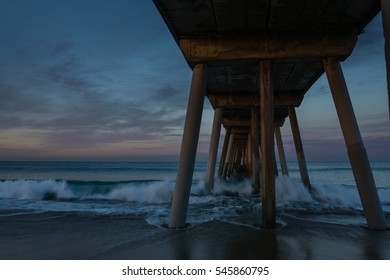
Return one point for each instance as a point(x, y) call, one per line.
point(385, 7)
point(267, 145)
point(255, 149)
point(229, 156)
point(282, 156)
point(215, 134)
point(299, 147)
point(188, 147)
point(356, 151)
point(223, 154)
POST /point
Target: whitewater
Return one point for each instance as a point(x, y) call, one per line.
point(146, 190)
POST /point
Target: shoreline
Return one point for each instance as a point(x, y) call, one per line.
point(59, 236)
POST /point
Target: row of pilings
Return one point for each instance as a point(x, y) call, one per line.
point(241, 152)
point(242, 148)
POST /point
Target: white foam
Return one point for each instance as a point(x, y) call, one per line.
point(290, 190)
point(384, 195)
point(340, 195)
point(241, 188)
point(32, 189)
point(158, 192)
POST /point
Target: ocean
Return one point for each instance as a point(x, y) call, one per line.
point(139, 193)
point(146, 188)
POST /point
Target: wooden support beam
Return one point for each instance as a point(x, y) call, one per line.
point(385, 6)
point(213, 151)
point(311, 42)
point(299, 147)
point(356, 151)
point(189, 145)
point(282, 156)
point(267, 145)
point(244, 99)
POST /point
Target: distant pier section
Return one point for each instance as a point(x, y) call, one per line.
point(255, 60)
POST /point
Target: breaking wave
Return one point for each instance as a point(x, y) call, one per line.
point(228, 201)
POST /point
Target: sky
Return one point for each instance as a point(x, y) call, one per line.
point(105, 80)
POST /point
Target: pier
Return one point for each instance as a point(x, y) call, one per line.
point(255, 60)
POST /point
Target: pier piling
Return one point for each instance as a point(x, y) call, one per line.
point(215, 134)
point(357, 153)
point(188, 147)
point(229, 156)
point(282, 156)
point(385, 7)
point(267, 145)
point(299, 147)
point(223, 154)
point(255, 149)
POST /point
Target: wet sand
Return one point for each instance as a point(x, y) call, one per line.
point(57, 236)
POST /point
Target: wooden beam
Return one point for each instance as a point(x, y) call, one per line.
point(312, 42)
point(238, 99)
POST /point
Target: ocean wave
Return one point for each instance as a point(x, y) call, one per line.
point(290, 193)
point(134, 191)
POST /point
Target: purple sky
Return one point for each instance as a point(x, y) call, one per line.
point(104, 80)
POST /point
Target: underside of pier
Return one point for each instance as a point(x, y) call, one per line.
point(255, 60)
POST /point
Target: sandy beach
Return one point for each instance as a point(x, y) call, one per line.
point(58, 236)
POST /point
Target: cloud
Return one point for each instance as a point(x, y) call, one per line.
point(66, 72)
